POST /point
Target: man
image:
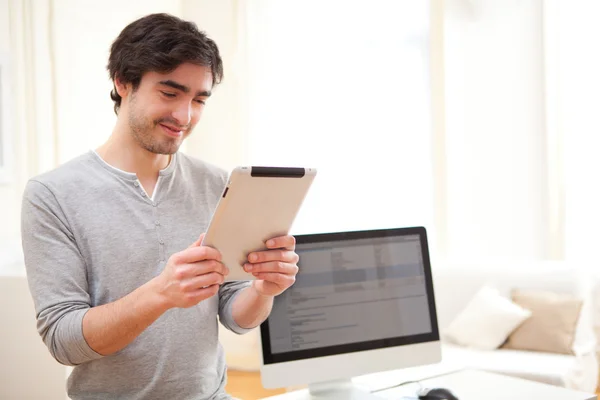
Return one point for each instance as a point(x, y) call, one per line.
point(122, 287)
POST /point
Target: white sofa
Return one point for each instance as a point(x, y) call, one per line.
point(456, 284)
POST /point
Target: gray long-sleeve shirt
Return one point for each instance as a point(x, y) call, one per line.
point(90, 236)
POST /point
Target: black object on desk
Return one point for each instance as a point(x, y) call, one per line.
point(436, 394)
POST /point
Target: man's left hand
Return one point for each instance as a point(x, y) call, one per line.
point(275, 268)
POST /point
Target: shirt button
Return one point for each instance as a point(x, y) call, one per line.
point(153, 204)
point(136, 184)
point(157, 222)
point(161, 241)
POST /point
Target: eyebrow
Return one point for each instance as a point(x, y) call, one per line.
point(184, 89)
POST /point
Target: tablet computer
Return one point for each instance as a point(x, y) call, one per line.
point(257, 204)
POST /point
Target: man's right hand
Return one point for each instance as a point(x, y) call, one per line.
point(192, 275)
point(189, 277)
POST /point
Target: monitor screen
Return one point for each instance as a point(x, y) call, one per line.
point(354, 291)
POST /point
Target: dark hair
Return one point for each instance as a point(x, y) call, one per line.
point(159, 42)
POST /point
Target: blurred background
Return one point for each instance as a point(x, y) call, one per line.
point(477, 119)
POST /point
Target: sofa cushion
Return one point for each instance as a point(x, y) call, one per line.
point(551, 327)
point(486, 321)
point(455, 284)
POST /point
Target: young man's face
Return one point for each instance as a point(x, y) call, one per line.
point(165, 107)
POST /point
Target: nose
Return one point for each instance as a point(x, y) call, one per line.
point(183, 113)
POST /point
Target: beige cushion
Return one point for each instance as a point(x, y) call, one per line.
point(486, 322)
point(551, 327)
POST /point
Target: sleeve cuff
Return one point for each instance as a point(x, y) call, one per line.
point(71, 347)
point(227, 317)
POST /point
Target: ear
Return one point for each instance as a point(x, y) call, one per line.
point(122, 89)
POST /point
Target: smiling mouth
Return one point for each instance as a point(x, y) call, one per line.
point(172, 131)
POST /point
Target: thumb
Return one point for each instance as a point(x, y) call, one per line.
point(198, 242)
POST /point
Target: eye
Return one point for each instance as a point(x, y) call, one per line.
point(168, 94)
point(200, 101)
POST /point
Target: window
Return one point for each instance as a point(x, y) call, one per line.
point(345, 87)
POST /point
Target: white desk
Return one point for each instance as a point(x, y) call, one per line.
point(475, 385)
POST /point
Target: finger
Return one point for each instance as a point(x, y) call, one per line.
point(203, 293)
point(280, 280)
point(186, 271)
point(198, 242)
point(198, 282)
point(273, 255)
point(272, 266)
point(208, 266)
point(282, 242)
point(198, 253)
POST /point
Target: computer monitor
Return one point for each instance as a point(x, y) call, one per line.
point(362, 302)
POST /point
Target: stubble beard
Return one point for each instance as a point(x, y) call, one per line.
point(142, 131)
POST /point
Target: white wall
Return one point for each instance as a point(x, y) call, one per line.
point(578, 84)
point(494, 130)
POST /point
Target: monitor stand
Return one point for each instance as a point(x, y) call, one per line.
point(339, 389)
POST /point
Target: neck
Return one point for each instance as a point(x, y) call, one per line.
point(122, 151)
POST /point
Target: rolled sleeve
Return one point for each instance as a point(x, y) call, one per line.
point(56, 274)
point(227, 295)
point(65, 339)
